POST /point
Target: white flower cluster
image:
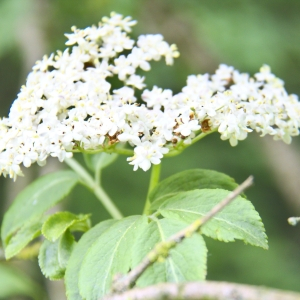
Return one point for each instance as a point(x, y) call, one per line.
point(68, 104)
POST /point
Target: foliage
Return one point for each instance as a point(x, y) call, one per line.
point(116, 246)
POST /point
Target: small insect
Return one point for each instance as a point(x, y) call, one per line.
point(205, 125)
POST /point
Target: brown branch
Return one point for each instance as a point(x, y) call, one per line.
point(162, 249)
point(206, 290)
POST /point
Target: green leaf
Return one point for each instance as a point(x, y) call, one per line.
point(24, 236)
point(36, 199)
point(15, 283)
point(59, 222)
point(186, 262)
point(187, 181)
point(238, 220)
point(108, 256)
point(54, 256)
point(99, 160)
point(77, 256)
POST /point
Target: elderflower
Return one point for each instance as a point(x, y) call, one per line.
point(68, 103)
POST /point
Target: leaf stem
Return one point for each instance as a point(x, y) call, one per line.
point(154, 178)
point(99, 192)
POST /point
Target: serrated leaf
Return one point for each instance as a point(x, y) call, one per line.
point(24, 236)
point(77, 256)
point(59, 222)
point(15, 283)
point(99, 160)
point(108, 256)
point(189, 180)
point(36, 199)
point(186, 262)
point(238, 220)
point(54, 256)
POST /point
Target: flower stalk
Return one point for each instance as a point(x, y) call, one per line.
point(154, 179)
point(99, 192)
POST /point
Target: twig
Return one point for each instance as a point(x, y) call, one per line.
point(162, 249)
point(98, 191)
point(205, 290)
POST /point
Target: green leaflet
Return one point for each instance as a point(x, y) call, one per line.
point(109, 255)
point(15, 283)
point(187, 181)
point(238, 220)
point(54, 256)
point(77, 256)
point(187, 261)
point(36, 199)
point(59, 222)
point(24, 236)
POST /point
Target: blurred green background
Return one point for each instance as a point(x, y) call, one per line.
point(245, 34)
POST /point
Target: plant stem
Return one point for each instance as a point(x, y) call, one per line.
point(175, 151)
point(97, 189)
point(154, 178)
point(122, 151)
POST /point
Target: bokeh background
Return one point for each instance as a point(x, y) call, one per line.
point(245, 34)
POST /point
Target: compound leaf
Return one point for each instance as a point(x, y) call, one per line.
point(186, 262)
point(77, 256)
point(109, 255)
point(189, 180)
point(238, 220)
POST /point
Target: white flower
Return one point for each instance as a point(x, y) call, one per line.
point(138, 58)
point(136, 81)
point(117, 20)
point(224, 72)
point(124, 94)
point(145, 154)
point(68, 102)
point(157, 97)
point(186, 125)
point(44, 64)
point(122, 67)
point(244, 87)
point(77, 37)
point(118, 40)
point(264, 74)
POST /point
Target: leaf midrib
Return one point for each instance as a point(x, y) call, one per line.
point(111, 259)
point(171, 262)
point(217, 218)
